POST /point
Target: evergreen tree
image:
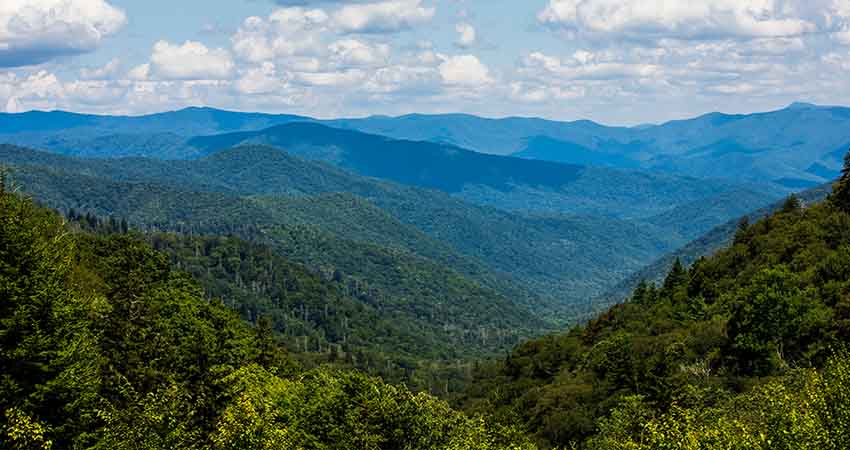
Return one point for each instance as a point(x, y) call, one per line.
point(677, 277)
point(841, 191)
point(742, 231)
point(792, 203)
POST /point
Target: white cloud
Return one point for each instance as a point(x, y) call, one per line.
point(836, 60)
point(396, 79)
point(35, 31)
point(287, 32)
point(314, 2)
point(93, 92)
point(140, 72)
point(465, 70)
point(39, 90)
point(357, 53)
point(689, 19)
point(292, 20)
point(383, 17)
point(467, 35)
point(540, 93)
point(584, 65)
point(190, 61)
point(260, 80)
point(109, 70)
point(331, 79)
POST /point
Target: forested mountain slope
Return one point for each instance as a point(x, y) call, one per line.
point(716, 239)
point(445, 307)
point(503, 182)
point(797, 147)
point(746, 349)
point(103, 345)
point(555, 257)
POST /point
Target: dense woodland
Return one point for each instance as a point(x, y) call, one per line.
point(745, 349)
point(103, 344)
point(187, 333)
point(548, 262)
point(325, 317)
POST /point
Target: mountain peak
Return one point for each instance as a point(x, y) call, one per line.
point(802, 105)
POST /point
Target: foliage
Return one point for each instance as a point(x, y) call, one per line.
point(807, 409)
point(330, 317)
point(664, 370)
point(106, 346)
point(841, 197)
point(550, 263)
point(715, 240)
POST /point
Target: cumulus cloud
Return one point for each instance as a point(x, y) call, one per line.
point(383, 17)
point(260, 80)
point(465, 70)
point(38, 90)
point(36, 31)
point(286, 32)
point(466, 35)
point(190, 61)
point(314, 2)
point(414, 80)
point(109, 70)
point(539, 93)
point(140, 72)
point(357, 53)
point(690, 20)
point(331, 79)
point(584, 65)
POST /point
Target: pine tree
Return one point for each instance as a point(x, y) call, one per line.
point(677, 277)
point(792, 203)
point(742, 232)
point(841, 192)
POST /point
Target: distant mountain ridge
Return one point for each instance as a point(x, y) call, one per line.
point(706, 245)
point(508, 183)
point(557, 257)
point(794, 147)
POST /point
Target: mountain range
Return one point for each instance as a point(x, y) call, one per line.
point(533, 220)
point(555, 259)
point(203, 250)
point(795, 147)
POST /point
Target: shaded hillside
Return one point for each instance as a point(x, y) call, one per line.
point(699, 217)
point(503, 182)
point(706, 245)
point(773, 146)
point(433, 299)
point(495, 136)
point(557, 258)
point(546, 148)
point(185, 122)
point(104, 344)
point(793, 147)
point(746, 349)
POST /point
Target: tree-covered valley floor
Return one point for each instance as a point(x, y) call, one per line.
point(111, 339)
point(104, 345)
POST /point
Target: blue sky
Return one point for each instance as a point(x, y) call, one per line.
point(614, 61)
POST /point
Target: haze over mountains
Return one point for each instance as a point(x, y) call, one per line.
point(409, 259)
point(799, 146)
point(576, 210)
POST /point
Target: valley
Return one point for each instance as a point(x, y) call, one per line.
point(445, 270)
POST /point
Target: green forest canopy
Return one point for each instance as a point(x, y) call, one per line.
point(103, 344)
point(746, 349)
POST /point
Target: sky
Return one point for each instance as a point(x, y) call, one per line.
point(619, 62)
